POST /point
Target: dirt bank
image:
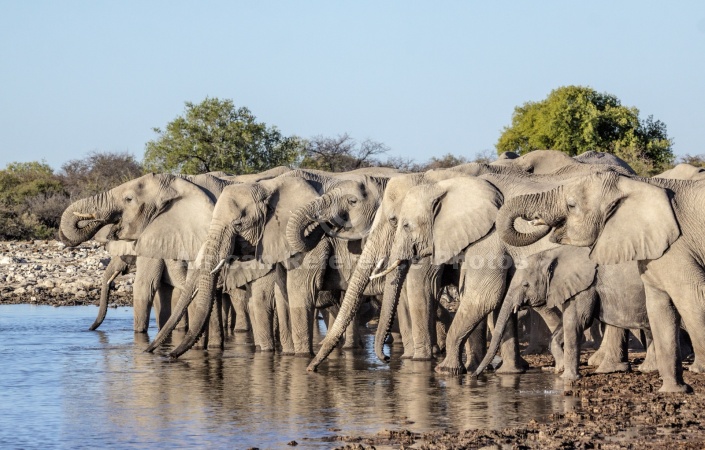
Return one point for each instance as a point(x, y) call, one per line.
point(48, 273)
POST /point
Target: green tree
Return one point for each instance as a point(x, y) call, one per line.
point(214, 135)
point(32, 198)
point(575, 119)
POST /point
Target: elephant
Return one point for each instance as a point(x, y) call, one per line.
point(276, 222)
point(683, 172)
point(549, 161)
point(160, 216)
point(565, 278)
point(654, 221)
point(378, 248)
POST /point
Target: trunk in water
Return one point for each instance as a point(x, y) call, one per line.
point(302, 220)
point(180, 309)
point(504, 315)
point(82, 219)
point(390, 300)
point(203, 283)
point(116, 267)
point(543, 205)
point(376, 247)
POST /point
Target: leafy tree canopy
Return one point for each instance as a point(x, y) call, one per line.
point(575, 119)
point(98, 172)
point(20, 180)
point(214, 135)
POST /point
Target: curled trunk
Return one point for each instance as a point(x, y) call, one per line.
point(390, 300)
point(303, 230)
point(82, 219)
point(116, 267)
point(377, 245)
point(504, 315)
point(543, 205)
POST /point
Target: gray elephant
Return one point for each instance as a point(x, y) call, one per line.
point(654, 221)
point(549, 161)
point(683, 172)
point(275, 220)
point(565, 278)
point(163, 216)
point(482, 281)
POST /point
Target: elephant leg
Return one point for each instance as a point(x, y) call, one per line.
point(443, 320)
point(664, 320)
point(403, 319)
point(281, 304)
point(476, 346)
point(163, 303)
point(302, 286)
point(174, 274)
point(597, 332)
point(353, 338)
point(238, 297)
point(571, 342)
point(262, 309)
point(650, 363)
point(148, 275)
point(422, 289)
point(481, 290)
point(512, 362)
point(693, 317)
point(215, 333)
point(614, 351)
point(554, 321)
point(228, 313)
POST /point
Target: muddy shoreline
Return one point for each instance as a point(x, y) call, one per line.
point(608, 411)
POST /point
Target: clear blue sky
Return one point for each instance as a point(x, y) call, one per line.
point(425, 78)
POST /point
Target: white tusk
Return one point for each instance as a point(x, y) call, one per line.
point(537, 222)
point(195, 291)
point(217, 268)
point(84, 215)
point(113, 277)
point(396, 264)
point(378, 266)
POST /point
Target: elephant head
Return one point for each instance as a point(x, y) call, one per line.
point(538, 161)
point(438, 221)
point(621, 218)
point(547, 278)
point(248, 223)
point(166, 215)
point(346, 210)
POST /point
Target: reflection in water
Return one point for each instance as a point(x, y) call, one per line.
point(62, 385)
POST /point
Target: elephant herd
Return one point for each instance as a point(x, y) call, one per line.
point(575, 239)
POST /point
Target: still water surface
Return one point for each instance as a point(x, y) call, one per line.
point(62, 386)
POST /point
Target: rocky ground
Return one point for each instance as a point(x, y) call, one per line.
point(48, 273)
point(610, 411)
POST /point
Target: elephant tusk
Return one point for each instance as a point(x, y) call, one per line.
point(396, 264)
point(195, 291)
point(113, 276)
point(84, 215)
point(217, 268)
point(537, 222)
point(378, 266)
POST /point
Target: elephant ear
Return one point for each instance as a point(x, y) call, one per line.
point(283, 196)
point(570, 271)
point(464, 214)
point(178, 231)
point(642, 225)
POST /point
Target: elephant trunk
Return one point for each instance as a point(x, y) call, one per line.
point(502, 320)
point(218, 248)
point(83, 218)
point(390, 300)
point(304, 230)
point(378, 244)
point(541, 208)
point(116, 267)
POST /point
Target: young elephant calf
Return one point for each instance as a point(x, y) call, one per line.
point(565, 278)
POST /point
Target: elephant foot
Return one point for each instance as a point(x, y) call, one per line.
point(447, 369)
point(570, 376)
point(287, 353)
point(436, 350)
point(241, 330)
point(506, 369)
point(303, 354)
point(422, 358)
point(676, 388)
point(612, 367)
point(596, 359)
point(648, 366)
point(265, 349)
point(554, 369)
point(696, 367)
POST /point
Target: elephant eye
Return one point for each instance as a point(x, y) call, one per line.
point(128, 199)
point(570, 203)
point(525, 284)
point(393, 221)
point(352, 200)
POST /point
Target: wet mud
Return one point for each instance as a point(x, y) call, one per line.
point(609, 411)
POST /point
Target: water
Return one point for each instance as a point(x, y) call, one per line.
point(62, 386)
